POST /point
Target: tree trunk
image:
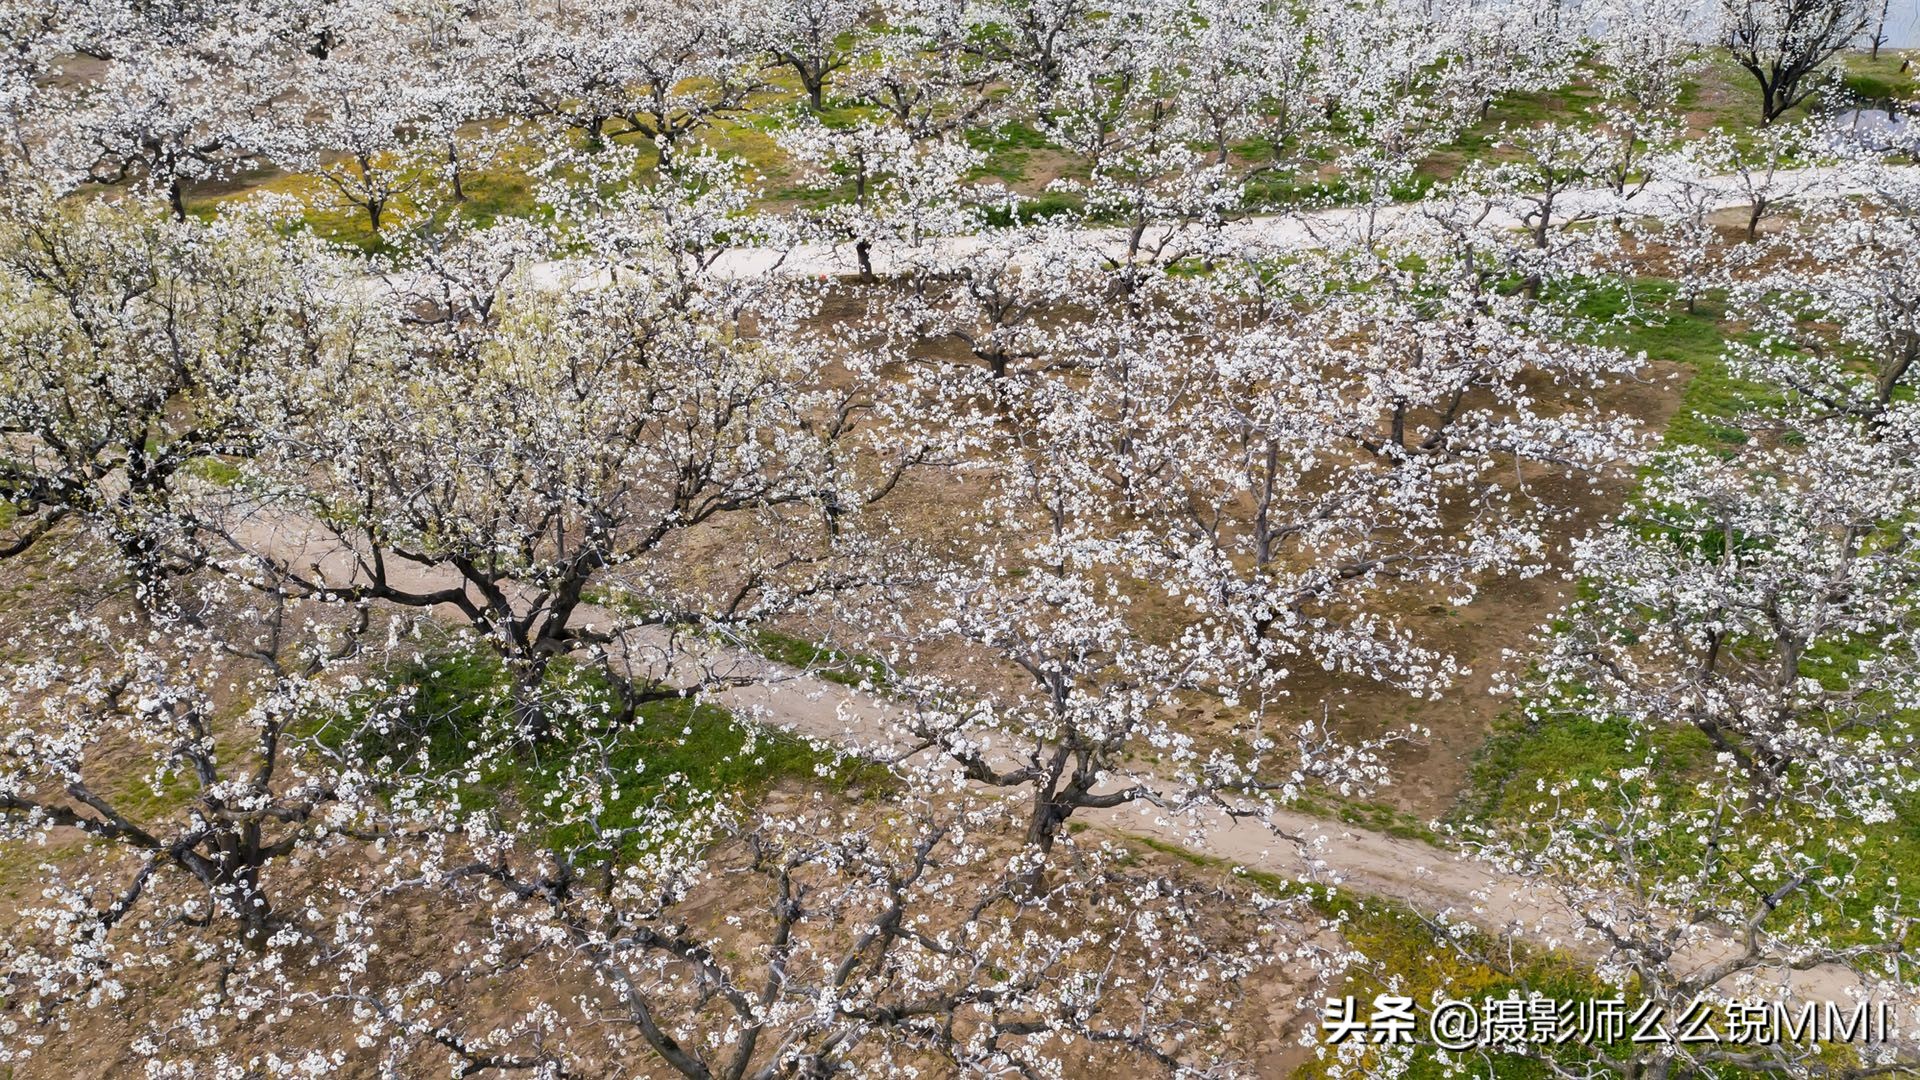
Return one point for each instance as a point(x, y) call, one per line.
point(1044, 825)
point(530, 716)
point(236, 871)
point(145, 493)
point(1043, 828)
point(453, 173)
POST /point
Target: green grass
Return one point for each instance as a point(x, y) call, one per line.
point(750, 140)
point(1652, 320)
point(1372, 816)
point(1572, 103)
point(1404, 954)
point(140, 799)
point(1008, 149)
point(458, 727)
point(1273, 191)
point(1561, 745)
point(494, 194)
point(1535, 747)
point(215, 471)
point(504, 189)
point(828, 663)
point(1725, 97)
point(1706, 408)
point(1875, 80)
point(1722, 97)
point(1567, 742)
point(1041, 207)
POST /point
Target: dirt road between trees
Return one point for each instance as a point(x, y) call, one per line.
point(1273, 233)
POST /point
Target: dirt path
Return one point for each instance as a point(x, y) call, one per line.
point(1265, 232)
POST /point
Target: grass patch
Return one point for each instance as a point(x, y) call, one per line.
point(1034, 208)
point(1269, 882)
point(459, 724)
point(215, 471)
point(494, 194)
point(1878, 80)
point(1407, 955)
point(828, 663)
point(1722, 96)
point(1571, 104)
point(1571, 745)
point(1008, 148)
point(1372, 816)
point(1565, 744)
point(1651, 319)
